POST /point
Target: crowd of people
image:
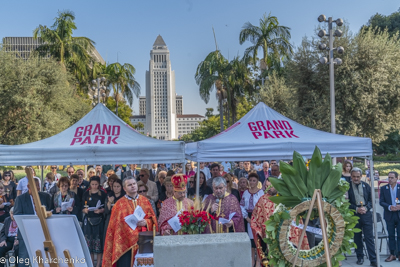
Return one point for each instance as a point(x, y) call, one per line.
point(103, 199)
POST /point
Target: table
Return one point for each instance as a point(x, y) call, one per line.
point(144, 260)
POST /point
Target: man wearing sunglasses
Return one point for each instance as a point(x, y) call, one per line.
point(54, 171)
point(144, 176)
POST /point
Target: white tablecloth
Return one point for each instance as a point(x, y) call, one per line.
point(144, 255)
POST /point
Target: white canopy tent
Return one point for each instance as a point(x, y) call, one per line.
point(264, 134)
point(100, 137)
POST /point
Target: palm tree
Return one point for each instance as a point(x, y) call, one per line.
point(210, 74)
point(122, 81)
point(239, 82)
point(271, 37)
point(72, 52)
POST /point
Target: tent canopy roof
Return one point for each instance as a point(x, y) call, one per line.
point(264, 134)
point(100, 137)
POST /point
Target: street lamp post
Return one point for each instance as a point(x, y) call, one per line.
point(332, 60)
point(99, 88)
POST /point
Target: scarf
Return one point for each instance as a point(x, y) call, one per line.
point(358, 193)
point(58, 199)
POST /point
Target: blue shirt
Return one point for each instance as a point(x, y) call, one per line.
point(393, 194)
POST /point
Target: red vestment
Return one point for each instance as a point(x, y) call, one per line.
point(169, 210)
point(120, 237)
point(261, 213)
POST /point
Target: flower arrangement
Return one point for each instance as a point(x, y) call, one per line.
point(194, 221)
point(295, 189)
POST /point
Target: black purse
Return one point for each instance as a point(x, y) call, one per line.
point(95, 221)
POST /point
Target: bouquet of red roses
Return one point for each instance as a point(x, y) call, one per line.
point(194, 221)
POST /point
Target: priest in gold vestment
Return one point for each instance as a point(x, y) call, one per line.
point(221, 204)
point(172, 205)
point(121, 240)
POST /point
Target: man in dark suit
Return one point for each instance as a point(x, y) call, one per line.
point(132, 172)
point(264, 173)
point(361, 201)
point(389, 200)
point(24, 206)
point(153, 172)
point(238, 169)
point(83, 184)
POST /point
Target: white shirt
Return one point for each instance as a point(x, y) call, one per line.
point(258, 167)
point(33, 205)
point(23, 184)
point(227, 166)
point(246, 199)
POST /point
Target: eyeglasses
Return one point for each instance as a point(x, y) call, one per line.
point(228, 181)
point(141, 175)
point(142, 191)
point(54, 167)
point(192, 182)
point(7, 175)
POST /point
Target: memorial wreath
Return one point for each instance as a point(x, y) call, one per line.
point(293, 200)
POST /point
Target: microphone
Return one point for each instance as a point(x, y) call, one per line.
point(217, 201)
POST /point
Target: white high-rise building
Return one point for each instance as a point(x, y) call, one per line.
point(160, 109)
point(160, 93)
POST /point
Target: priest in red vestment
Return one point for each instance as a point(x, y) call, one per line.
point(121, 240)
point(172, 205)
point(221, 204)
point(261, 213)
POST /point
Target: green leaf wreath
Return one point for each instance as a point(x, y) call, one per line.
point(297, 186)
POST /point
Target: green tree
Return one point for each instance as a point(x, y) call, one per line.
point(367, 85)
point(210, 74)
point(36, 100)
point(382, 22)
point(209, 112)
point(276, 94)
point(72, 52)
point(391, 145)
point(124, 111)
point(122, 81)
point(273, 39)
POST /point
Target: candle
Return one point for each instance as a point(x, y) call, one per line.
point(154, 230)
point(361, 204)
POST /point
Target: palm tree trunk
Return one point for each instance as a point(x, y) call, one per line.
point(221, 115)
point(116, 107)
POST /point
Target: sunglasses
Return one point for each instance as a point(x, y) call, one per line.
point(192, 182)
point(54, 167)
point(141, 175)
point(142, 191)
point(7, 175)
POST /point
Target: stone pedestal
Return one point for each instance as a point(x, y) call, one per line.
point(222, 250)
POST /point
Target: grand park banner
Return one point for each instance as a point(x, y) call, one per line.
point(100, 137)
point(264, 134)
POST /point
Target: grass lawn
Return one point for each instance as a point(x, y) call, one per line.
point(21, 173)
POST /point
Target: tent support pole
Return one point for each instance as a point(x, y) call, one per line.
point(371, 171)
point(198, 182)
point(41, 167)
point(184, 168)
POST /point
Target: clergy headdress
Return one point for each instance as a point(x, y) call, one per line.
point(179, 181)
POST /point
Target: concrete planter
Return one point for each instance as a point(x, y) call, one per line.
point(222, 250)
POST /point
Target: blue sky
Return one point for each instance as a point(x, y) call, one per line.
point(128, 29)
